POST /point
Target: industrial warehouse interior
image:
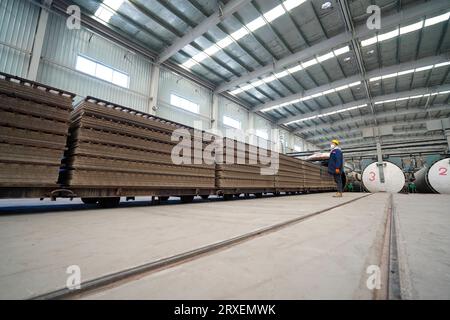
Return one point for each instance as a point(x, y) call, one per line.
point(194, 150)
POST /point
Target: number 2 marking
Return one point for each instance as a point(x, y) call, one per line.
point(372, 176)
point(442, 171)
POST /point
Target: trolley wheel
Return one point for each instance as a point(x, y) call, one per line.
point(205, 196)
point(109, 202)
point(258, 195)
point(165, 198)
point(227, 197)
point(187, 199)
point(89, 200)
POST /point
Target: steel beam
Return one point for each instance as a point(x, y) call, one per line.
point(353, 120)
point(395, 134)
point(374, 73)
point(396, 19)
point(325, 137)
point(402, 94)
point(217, 17)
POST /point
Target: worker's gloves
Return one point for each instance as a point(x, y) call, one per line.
point(338, 170)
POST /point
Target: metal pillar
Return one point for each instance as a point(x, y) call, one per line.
point(251, 129)
point(447, 136)
point(215, 112)
point(380, 163)
point(38, 42)
point(154, 85)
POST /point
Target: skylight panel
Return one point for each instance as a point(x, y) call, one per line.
point(274, 13)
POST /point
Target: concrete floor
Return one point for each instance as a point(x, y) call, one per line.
point(321, 258)
point(324, 257)
point(423, 223)
point(38, 243)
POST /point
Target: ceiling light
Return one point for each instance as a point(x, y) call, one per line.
point(309, 63)
point(369, 41)
point(256, 24)
point(325, 57)
point(295, 69)
point(370, 51)
point(423, 68)
point(281, 74)
point(212, 50)
point(354, 83)
point(443, 64)
point(189, 63)
point(435, 20)
point(411, 27)
point(200, 56)
point(375, 79)
point(347, 59)
point(238, 90)
point(225, 42)
point(342, 50)
point(387, 76)
point(239, 34)
point(106, 10)
point(274, 13)
point(341, 88)
point(401, 73)
point(114, 4)
point(388, 35)
point(104, 14)
point(269, 78)
point(258, 83)
point(326, 5)
point(291, 4)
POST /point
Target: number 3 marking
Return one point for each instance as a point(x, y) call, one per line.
point(372, 176)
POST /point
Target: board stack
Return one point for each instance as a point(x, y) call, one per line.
point(291, 174)
point(244, 172)
point(34, 123)
point(317, 177)
point(114, 146)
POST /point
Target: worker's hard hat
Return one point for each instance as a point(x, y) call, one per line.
point(335, 141)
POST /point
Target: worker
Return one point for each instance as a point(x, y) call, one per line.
point(336, 165)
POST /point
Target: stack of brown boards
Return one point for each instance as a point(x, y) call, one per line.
point(34, 123)
point(243, 173)
point(116, 147)
point(317, 177)
point(291, 174)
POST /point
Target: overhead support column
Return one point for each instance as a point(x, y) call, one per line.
point(154, 86)
point(215, 112)
point(447, 136)
point(38, 42)
point(251, 129)
point(380, 163)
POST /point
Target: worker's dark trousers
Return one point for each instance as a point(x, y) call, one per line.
point(338, 179)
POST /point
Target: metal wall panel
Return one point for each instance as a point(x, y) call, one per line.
point(18, 23)
point(58, 65)
point(172, 83)
point(232, 110)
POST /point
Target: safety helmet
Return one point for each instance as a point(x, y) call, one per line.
point(335, 141)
